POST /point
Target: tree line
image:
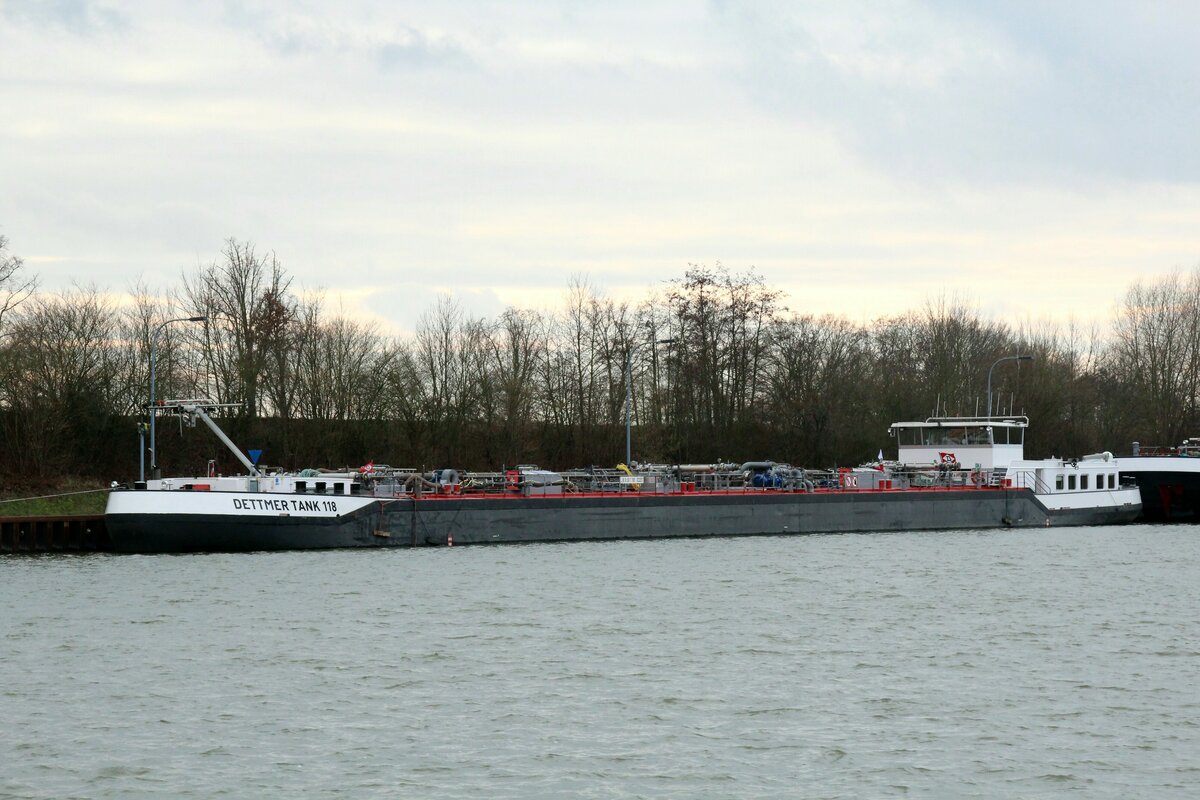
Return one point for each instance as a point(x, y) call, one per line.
point(716, 365)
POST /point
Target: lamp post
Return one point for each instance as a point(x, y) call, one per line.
point(629, 394)
point(998, 360)
point(153, 365)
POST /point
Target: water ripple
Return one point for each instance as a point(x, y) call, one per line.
point(1021, 663)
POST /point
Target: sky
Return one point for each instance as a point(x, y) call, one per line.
point(1030, 158)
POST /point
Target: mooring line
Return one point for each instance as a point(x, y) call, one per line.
point(51, 496)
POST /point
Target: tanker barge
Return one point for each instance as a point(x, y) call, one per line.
point(950, 473)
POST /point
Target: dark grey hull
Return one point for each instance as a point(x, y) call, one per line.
point(1168, 496)
point(414, 523)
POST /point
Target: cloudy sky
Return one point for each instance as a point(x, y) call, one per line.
point(1033, 158)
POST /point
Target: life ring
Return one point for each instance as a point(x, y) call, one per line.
point(977, 478)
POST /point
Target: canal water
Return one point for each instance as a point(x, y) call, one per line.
point(1034, 663)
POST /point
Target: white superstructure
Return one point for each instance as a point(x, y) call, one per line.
point(974, 442)
point(990, 451)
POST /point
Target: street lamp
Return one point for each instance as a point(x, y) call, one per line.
point(629, 394)
point(153, 364)
point(998, 360)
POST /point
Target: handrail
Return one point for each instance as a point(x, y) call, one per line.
point(1017, 418)
point(1039, 486)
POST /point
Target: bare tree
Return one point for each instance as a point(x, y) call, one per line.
point(1072, 403)
point(527, 386)
point(338, 368)
point(818, 400)
point(720, 322)
point(517, 348)
point(246, 299)
point(178, 350)
point(277, 349)
point(580, 335)
point(1154, 351)
point(959, 347)
point(15, 286)
point(62, 377)
point(448, 359)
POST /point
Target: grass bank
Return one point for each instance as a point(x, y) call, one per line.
point(67, 498)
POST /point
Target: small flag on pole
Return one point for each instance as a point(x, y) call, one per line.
point(881, 454)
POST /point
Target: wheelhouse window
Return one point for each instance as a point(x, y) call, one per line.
point(978, 436)
point(950, 435)
point(942, 437)
point(1083, 482)
point(1070, 483)
point(1058, 483)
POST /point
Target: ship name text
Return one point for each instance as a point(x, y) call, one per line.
point(281, 504)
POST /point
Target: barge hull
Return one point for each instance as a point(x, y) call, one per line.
point(405, 522)
point(1168, 496)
